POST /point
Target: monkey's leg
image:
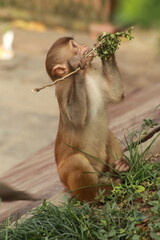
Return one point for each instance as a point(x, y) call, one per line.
point(78, 175)
point(115, 156)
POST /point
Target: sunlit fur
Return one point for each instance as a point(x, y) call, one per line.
point(83, 125)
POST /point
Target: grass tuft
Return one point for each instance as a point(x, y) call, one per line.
point(131, 211)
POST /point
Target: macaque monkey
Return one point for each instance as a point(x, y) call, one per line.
point(8, 194)
point(83, 126)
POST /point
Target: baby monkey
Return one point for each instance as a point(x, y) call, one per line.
point(83, 130)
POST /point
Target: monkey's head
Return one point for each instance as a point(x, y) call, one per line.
point(60, 54)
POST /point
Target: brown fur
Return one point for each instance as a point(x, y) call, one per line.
point(83, 100)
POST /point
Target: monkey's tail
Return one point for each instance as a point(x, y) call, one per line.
point(8, 194)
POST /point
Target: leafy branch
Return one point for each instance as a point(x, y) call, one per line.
point(111, 42)
point(106, 45)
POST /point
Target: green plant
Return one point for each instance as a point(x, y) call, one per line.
point(110, 42)
point(141, 168)
point(131, 211)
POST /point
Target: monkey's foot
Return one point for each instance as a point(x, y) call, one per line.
point(122, 165)
point(110, 181)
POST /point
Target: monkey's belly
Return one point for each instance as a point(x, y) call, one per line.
point(95, 144)
point(97, 156)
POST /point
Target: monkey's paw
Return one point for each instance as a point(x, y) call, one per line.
point(77, 61)
point(122, 165)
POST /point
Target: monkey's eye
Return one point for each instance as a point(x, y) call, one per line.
point(74, 44)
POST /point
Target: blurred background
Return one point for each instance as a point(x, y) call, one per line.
point(28, 121)
point(79, 14)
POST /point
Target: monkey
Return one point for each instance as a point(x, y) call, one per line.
point(8, 194)
point(85, 147)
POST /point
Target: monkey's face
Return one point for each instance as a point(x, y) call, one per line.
point(61, 52)
point(78, 49)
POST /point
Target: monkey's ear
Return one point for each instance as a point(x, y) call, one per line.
point(60, 70)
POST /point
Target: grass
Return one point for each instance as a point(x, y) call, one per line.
point(131, 211)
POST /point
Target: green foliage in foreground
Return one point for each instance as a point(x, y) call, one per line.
point(131, 211)
point(73, 221)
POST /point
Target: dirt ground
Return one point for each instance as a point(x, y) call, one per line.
point(28, 121)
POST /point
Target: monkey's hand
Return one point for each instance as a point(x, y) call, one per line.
point(110, 59)
point(122, 165)
point(76, 62)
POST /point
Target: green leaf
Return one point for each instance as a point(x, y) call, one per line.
point(103, 222)
point(158, 193)
point(153, 203)
point(154, 236)
point(112, 233)
point(136, 237)
point(140, 189)
point(44, 204)
point(121, 230)
point(155, 209)
point(110, 43)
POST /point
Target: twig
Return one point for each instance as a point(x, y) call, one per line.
point(106, 40)
point(56, 81)
point(69, 74)
point(144, 139)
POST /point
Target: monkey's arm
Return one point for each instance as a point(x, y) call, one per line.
point(114, 81)
point(77, 100)
point(74, 99)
